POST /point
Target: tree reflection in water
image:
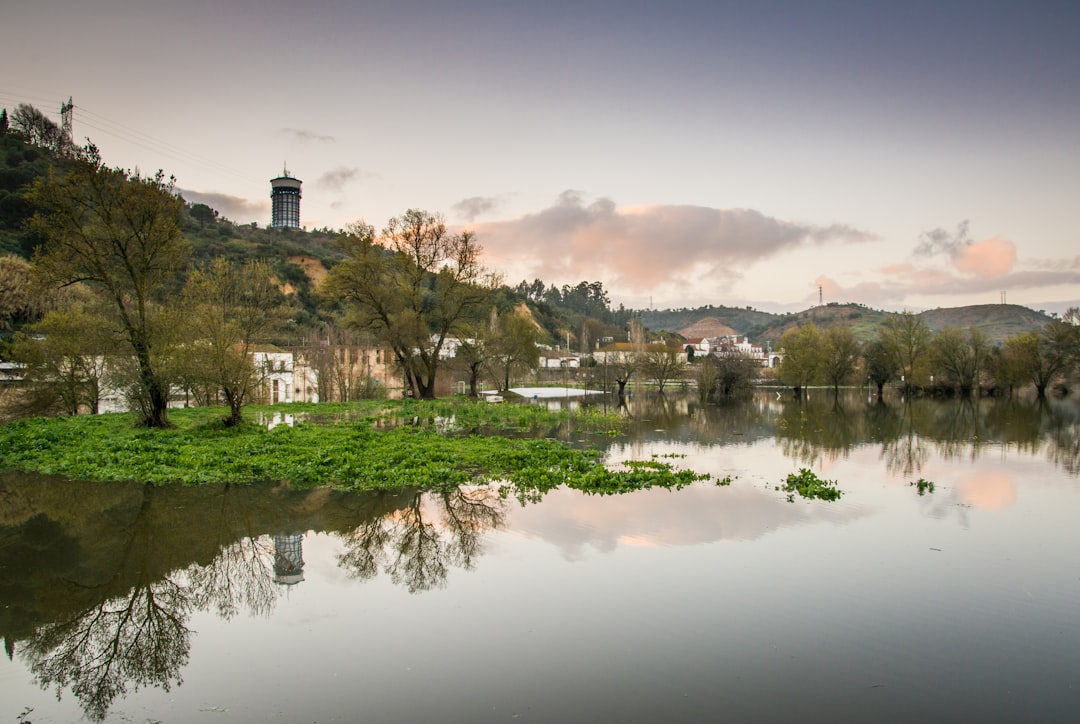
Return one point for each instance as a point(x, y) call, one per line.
point(100, 652)
point(909, 431)
point(418, 544)
point(104, 579)
point(101, 580)
point(240, 579)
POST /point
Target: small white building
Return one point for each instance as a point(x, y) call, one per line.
point(697, 346)
point(275, 366)
point(555, 360)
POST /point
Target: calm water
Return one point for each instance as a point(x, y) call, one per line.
point(239, 603)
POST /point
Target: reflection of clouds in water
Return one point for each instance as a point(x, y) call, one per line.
point(987, 489)
point(575, 523)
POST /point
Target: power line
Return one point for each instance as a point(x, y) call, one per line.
point(135, 137)
point(152, 143)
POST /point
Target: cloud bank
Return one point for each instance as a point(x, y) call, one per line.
point(234, 208)
point(647, 247)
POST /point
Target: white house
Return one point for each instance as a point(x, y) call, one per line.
point(698, 346)
point(276, 367)
point(734, 345)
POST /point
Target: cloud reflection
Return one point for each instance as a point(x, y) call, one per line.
point(987, 489)
point(580, 525)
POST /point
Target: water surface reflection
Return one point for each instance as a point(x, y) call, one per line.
point(101, 584)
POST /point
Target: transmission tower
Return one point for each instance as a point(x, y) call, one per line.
point(66, 143)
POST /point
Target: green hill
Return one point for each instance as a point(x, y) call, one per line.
point(996, 321)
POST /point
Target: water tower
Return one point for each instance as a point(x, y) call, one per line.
point(288, 558)
point(285, 196)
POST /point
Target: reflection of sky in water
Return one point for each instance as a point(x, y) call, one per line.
point(701, 604)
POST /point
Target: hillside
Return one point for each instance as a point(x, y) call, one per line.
point(864, 322)
point(698, 322)
point(996, 321)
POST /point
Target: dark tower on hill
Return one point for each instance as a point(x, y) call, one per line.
point(285, 198)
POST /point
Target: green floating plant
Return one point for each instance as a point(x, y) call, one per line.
point(809, 485)
point(924, 486)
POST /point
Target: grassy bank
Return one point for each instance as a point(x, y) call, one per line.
point(375, 445)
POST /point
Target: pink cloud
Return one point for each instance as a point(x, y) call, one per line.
point(646, 247)
point(990, 258)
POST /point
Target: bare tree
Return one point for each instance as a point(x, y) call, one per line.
point(722, 375)
point(37, 128)
point(412, 287)
point(663, 364)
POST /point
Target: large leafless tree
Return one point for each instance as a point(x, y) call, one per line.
point(412, 287)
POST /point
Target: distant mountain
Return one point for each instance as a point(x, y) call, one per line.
point(996, 321)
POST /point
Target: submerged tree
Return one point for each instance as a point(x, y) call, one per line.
point(803, 349)
point(881, 366)
point(1043, 356)
point(840, 356)
point(119, 233)
point(412, 287)
point(907, 340)
point(959, 358)
point(664, 364)
point(722, 375)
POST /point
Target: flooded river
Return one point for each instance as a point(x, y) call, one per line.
point(943, 585)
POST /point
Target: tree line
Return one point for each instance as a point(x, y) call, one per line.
point(952, 360)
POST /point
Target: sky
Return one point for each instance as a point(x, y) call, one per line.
point(901, 155)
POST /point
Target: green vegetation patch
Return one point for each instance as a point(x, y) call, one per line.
point(923, 486)
point(808, 485)
point(357, 451)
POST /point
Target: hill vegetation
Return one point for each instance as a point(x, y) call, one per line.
point(997, 321)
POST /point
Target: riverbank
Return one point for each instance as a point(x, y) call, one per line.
point(368, 445)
